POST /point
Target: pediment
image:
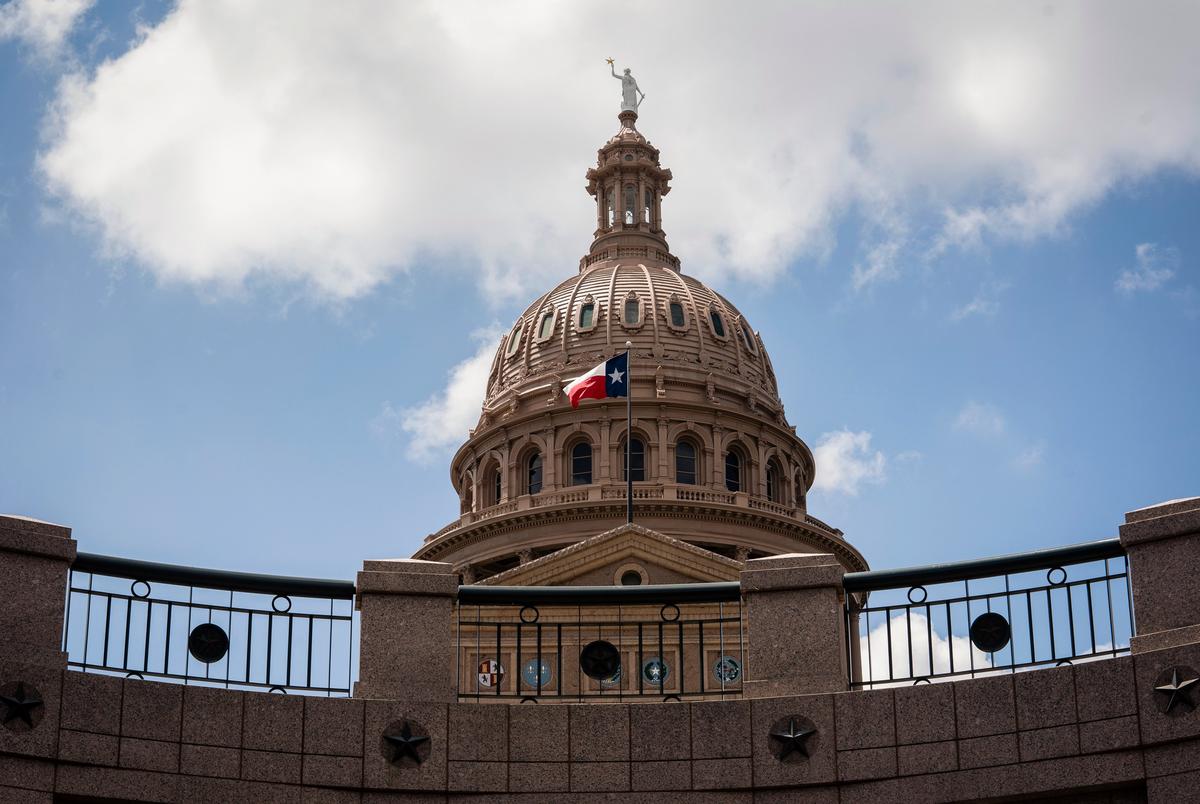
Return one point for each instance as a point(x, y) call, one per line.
point(594, 561)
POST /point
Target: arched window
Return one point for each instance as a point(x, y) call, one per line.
point(533, 473)
point(587, 315)
point(677, 316)
point(733, 471)
point(497, 487)
point(633, 312)
point(631, 577)
point(799, 489)
point(581, 464)
point(774, 482)
point(630, 203)
point(718, 323)
point(514, 340)
point(637, 460)
point(649, 208)
point(546, 325)
point(747, 338)
point(612, 212)
point(685, 463)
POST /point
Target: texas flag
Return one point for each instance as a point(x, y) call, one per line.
point(610, 378)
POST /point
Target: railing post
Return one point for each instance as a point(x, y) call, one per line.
point(406, 637)
point(35, 558)
point(796, 625)
point(1163, 545)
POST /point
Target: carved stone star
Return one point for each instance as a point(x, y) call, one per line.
point(20, 705)
point(1178, 691)
point(405, 744)
point(793, 739)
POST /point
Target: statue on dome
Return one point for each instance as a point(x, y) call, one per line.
point(629, 89)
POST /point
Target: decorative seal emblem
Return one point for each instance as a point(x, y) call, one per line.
point(1174, 688)
point(23, 706)
point(491, 673)
point(600, 660)
point(208, 643)
point(405, 744)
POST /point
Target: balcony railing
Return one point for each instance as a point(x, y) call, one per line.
point(533, 643)
point(145, 620)
point(1004, 614)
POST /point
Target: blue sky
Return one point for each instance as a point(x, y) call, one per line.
point(240, 256)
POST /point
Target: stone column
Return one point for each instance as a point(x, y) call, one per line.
point(35, 558)
point(1163, 545)
point(406, 630)
point(795, 625)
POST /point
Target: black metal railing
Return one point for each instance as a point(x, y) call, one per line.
point(232, 629)
point(563, 642)
point(1003, 614)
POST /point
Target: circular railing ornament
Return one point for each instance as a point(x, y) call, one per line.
point(208, 643)
point(913, 592)
point(281, 603)
point(990, 632)
point(1056, 576)
point(669, 612)
point(600, 660)
point(529, 614)
point(139, 589)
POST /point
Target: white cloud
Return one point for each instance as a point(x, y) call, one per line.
point(980, 419)
point(1030, 457)
point(1154, 267)
point(845, 461)
point(986, 302)
point(42, 25)
point(442, 422)
point(332, 149)
point(880, 665)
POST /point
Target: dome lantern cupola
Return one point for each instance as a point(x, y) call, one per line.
point(628, 184)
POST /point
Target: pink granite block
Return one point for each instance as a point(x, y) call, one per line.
point(722, 774)
point(720, 729)
point(983, 752)
point(920, 758)
point(323, 795)
point(924, 713)
point(537, 733)
point(599, 733)
point(333, 726)
point(150, 755)
point(209, 790)
point(151, 710)
point(1106, 688)
point(119, 783)
point(18, 795)
point(270, 766)
point(985, 706)
point(1178, 787)
point(660, 732)
point(1045, 697)
point(91, 702)
point(478, 733)
point(478, 777)
point(865, 719)
point(866, 763)
point(31, 774)
point(1172, 758)
point(330, 771)
point(429, 718)
point(819, 767)
point(1057, 741)
point(673, 774)
point(85, 748)
point(212, 716)
point(210, 760)
point(1113, 734)
point(273, 722)
point(46, 683)
point(804, 795)
point(601, 777)
point(538, 777)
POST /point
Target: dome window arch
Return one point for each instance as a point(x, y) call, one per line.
point(587, 317)
point(545, 328)
point(716, 322)
point(735, 468)
point(610, 202)
point(687, 462)
point(581, 464)
point(497, 486)
point(774, 482)
point(631, 311)
point(747, 337)
point(533, 473)
point(514, 338)
point(630, 204)
point(648, 207)
point(637, 458)
point(677, 318)
point(799, 489)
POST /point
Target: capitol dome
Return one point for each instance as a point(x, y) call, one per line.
point(715, 464)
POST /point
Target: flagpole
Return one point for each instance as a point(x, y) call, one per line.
point(629, 432)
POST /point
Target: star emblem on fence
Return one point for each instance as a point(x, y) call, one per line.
point(792, 738)
point(20, 705)
point(1179, 689)
point(403, 744)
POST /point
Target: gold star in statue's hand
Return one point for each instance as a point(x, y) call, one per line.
point(610, 61)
